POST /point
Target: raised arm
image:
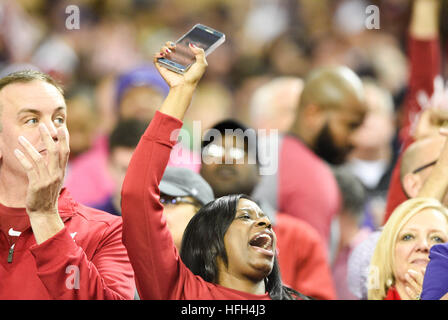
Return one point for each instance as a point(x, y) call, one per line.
point(150, 246)
point(424, 56)
point(425, 19)
point(181, 86)
point(424, 65)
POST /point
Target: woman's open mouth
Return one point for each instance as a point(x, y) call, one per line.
point(263, 243)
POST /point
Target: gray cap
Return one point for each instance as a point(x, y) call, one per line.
point(182, 182)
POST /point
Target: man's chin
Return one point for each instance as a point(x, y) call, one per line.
point(336, 158)
point(224, 188)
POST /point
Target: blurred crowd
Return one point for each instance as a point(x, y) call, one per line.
point(264, 39)
point(112, 88)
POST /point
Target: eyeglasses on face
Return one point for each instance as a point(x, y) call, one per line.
point(424, 167)
point(171, 201)
point(217, 151)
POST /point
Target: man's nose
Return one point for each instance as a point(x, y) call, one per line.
point(52, 129)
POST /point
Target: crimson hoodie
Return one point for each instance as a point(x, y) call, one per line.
point(85, 260)
point(159, 271)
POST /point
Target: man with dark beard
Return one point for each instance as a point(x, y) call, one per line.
point(331, 107)
point(230, 166)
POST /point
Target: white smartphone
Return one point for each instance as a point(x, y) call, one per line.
point(180, 59)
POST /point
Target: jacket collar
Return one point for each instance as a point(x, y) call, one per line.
point(392, 294)
point(67, 207)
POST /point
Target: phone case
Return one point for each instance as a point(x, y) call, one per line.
point(179, 68)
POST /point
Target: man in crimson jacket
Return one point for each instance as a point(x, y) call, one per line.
point(51, 247)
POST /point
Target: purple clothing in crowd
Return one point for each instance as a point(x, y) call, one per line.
point(435, 283)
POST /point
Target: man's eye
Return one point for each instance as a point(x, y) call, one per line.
point(354, 125)
point(59, 120)
point(31, 121)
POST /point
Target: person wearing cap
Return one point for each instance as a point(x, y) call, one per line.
point(302, 255)
point(139, 92)
point(182, 192)
point(228, 249)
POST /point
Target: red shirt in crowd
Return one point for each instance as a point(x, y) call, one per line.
point(424, 56)
point(392, 294)
point(303, 258)
point(85, 260)
point(307, 188)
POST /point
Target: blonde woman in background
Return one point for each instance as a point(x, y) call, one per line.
point(400, 258)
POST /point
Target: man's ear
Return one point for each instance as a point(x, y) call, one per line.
point(412, 183)
point(314, 116)
point(311, 110)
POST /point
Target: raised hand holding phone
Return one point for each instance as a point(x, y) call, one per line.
point(183, 85)
point(200, 36)
point(194, 73)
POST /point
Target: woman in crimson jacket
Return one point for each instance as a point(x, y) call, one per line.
point(230, 255)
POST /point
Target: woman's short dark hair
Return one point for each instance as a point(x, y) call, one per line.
point(203, 244)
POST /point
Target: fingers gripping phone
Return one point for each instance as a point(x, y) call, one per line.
point(180, 59)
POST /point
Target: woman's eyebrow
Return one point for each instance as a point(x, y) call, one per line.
point(252, 211)
point(245, 209)
point(437, 230)
point(417, 230)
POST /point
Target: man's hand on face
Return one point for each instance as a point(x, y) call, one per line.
point(45, 178)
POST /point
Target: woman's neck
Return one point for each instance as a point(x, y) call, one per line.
point(241, 283)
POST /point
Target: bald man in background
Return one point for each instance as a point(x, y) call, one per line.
point(418, 161)
point(274, 104)
point(331, 107)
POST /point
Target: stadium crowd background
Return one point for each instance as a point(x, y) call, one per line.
point(264, 39)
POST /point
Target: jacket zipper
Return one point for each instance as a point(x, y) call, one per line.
point(11, 253)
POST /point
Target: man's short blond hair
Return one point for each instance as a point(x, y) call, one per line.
point(25, 76)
